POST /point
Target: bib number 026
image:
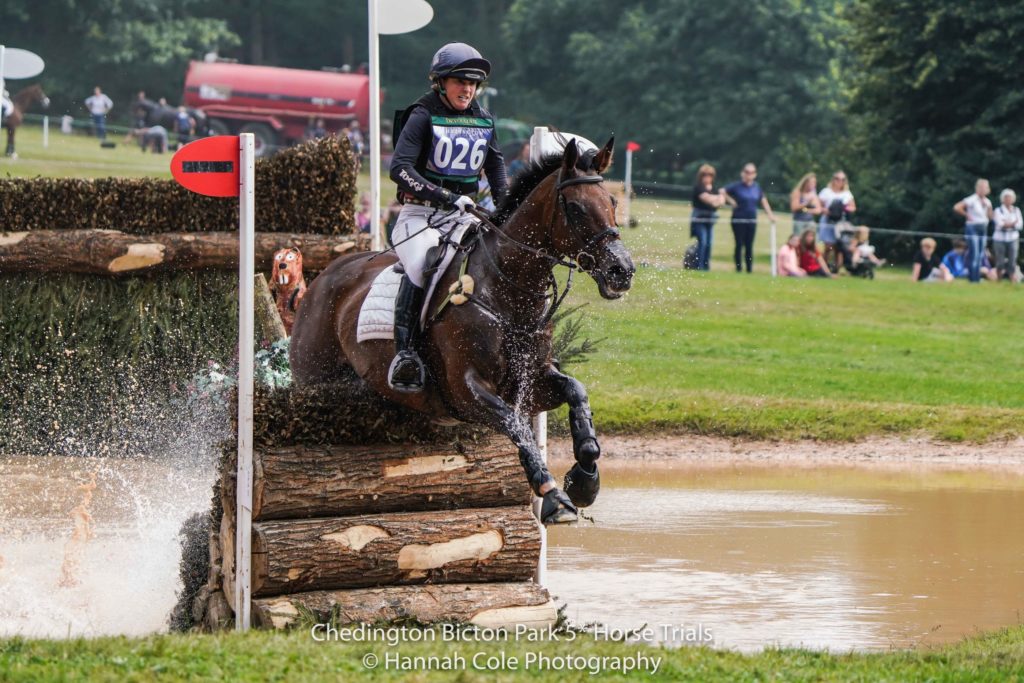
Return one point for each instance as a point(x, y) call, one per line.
point(452, 154)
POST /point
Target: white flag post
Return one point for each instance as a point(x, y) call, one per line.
point(540, 430)
point(772, 241)
point(246, 342)
point(387, 17)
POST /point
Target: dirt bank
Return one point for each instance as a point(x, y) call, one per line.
point(878, 451)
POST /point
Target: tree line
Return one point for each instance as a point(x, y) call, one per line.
point(913, 99)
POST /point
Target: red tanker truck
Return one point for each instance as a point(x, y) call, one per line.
point(273, 103)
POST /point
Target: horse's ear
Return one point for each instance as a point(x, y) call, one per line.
point(572, 155)
point(603, 160)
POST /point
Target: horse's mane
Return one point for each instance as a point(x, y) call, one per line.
point(525, 182)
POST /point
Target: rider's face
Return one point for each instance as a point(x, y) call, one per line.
point(459, 92)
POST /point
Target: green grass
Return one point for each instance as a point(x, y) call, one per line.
point(79, 156)
point(748, 355)
point(262, 656)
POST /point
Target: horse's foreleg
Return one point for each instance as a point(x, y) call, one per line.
point(557, 507)
point(10, 141)
point(582, 482)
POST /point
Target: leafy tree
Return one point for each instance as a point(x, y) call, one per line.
point(935, 105)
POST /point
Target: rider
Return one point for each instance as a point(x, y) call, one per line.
point(6, 106)
point(446, 140)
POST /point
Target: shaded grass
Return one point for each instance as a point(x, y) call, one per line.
point(261, 656)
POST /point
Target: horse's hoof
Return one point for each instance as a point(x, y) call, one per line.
point(582, 486)
point(557, 508)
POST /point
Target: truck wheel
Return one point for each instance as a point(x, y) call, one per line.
point(218, 127)
point(265, 138)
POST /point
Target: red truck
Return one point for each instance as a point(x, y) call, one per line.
point(275, 104)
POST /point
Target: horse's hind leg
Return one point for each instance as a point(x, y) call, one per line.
point(583, 481)
point(557, 507)
point(10, 142)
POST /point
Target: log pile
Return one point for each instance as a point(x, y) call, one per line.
point(359, 530)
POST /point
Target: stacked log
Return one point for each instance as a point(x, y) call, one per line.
point(437, 530)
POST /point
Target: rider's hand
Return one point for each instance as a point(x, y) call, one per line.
point(463, 203)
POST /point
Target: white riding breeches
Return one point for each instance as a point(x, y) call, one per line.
point(412, 238)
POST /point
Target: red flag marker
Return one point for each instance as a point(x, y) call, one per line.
point(208, 166)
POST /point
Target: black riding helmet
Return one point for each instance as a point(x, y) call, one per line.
point(458, 60)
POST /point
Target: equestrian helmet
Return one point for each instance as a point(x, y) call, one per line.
point(458, 60)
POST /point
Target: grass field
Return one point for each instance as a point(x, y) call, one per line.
point(749, 355)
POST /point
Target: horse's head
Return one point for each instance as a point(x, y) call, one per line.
point(586, 229)
point(33, 94)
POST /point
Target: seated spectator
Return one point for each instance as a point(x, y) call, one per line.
point(863, 260)
point(988, 272)
point(788, 262)
point(955, 261)
point(809, 256)
point(927, 267)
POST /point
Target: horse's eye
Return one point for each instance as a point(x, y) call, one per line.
point(575, 210)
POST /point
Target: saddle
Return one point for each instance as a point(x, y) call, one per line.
point(377, 313)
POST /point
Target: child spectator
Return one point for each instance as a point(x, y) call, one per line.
point(809, 257)
point(788, 261)
point(863, 260)
point(955, 261)
point(927, 267)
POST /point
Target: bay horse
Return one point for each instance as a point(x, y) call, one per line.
point(22, 101)
point(489, 360)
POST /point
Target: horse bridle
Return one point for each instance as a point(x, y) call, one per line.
point(595, 240)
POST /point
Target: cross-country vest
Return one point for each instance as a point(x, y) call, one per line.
point(455, 157)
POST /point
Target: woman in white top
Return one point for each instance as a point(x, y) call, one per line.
point(836, 201)
point(1005, 239)
point(977, 212)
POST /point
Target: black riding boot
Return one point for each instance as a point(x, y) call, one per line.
point(406, 372)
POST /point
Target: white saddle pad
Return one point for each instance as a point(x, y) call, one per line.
point(377, 314)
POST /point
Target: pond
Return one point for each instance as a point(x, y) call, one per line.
point(837, 557)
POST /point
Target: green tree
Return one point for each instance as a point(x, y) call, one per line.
point(935, 105)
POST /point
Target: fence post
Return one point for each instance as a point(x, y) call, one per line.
point(775, 265)
point(540, 431)
point(46, 132)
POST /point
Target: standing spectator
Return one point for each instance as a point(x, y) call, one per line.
point(316, 129)
point(836, 203)
point(184, 126)
point(141, 109)
point(1005, 239)
point(363, 215)
point(521, 162)
point(927, 267)
point(98, 105)
point(977, 212)
point(809, 257)
point(706, 200)
point(788, 261)
point(355, 138)
point(745, 195)
point(804, 203)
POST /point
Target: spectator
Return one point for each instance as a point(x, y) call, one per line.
point(863, 260)
point(836, 203)
point(804, 203)
point(521, 162)
point(184, 125)
point(153, 138)
point(316, 129)
point(1006, 237)
point(98, 105)
point(6, 106)
point(706, 200)
point(745, 195)
point(363, 215)
point(977, 212)
point(809, 257)
point(355, 138)
point(788, 261)
point(955, 260)
point(141, 109)
point(927, 267)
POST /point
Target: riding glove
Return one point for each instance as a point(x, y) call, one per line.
point(463, 203)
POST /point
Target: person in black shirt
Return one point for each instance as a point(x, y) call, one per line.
point(927, 266)
point(446, 140)
point(706, 200)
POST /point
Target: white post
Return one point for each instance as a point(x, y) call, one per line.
point(2, 51)
point(629, 186)
point(46, 132)
point(374, 128)
point(246, 312)
point(775, 266)
point(540, 430)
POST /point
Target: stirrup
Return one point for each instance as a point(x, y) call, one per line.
point(410, 386)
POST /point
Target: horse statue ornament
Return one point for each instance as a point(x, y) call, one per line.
point(489, 360)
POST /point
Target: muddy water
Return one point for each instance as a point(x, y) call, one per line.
point(834, 558)
point(78, 559)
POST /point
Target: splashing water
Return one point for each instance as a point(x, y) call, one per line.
point(89, 546)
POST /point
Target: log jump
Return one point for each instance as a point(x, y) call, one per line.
point(440, 530)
